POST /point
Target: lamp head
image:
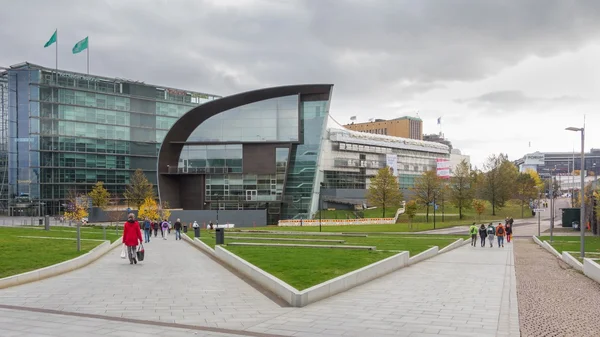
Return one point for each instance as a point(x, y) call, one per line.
point(571, 128)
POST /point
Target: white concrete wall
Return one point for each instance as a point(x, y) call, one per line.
point(198, 244)
point(591, 269)
point(429, 253)
point(573, 262)
point(60, 268)
point(453, 245)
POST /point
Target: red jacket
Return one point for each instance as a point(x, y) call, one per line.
point(131, 233)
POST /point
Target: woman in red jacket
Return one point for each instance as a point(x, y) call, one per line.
point(132, 235)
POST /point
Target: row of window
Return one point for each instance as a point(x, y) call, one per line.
point(382, 131)
point(98, 146)
point(379, 149)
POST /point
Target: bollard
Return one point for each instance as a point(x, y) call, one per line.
point(78, 237)
point(104, 231)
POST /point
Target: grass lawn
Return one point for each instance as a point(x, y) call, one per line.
point(20, 255)
point(305, 267)
point(399, 227)
point(511, 209)
point(572, 244)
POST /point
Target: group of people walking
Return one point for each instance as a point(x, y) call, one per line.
point(490, 232)
point(165, 226)
point(132, 233)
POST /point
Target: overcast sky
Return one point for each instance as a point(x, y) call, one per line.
point(500, 73)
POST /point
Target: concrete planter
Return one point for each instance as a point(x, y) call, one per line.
point(60, 268)
point(199, 244)
point(591, 269)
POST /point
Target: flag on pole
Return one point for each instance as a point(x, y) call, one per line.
point(80, 46)
point(353, 118)
point(52, 39)
point(439, 120)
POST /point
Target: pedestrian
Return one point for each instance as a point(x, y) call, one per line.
point(509, 231)
point(482, 234)
point(155, 227)
point(177, 227)
point(500, 233)
point(473, 231)
point(491, 232)
point(164, 229)
point(147, 230)
point(131, 236)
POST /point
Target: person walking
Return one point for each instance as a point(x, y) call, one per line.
point(473, 231)
point(508, 230)
point(164, 229)
point(131, 236)
point(500, 233)
point(491, 232)
point(155, 227)
point(177, 227)
point(482, 234)
point(147, 230)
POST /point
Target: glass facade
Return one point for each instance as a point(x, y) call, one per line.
point(67, 131)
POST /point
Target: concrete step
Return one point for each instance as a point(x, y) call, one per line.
point(300, 245)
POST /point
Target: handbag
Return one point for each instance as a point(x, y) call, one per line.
point(140, 253)
point(123, 252)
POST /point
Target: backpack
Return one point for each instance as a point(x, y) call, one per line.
point(491, 231)
point(500, 230)
point(147, 224)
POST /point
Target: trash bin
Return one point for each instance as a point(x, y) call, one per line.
point(196, 232)
point(220, 236)
point(575, 225)
point(41, 222)
point(47, 222)
point(185, 228)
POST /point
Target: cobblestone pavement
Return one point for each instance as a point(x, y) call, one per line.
point(554, 299)
point(469, 291)
point(175, 283)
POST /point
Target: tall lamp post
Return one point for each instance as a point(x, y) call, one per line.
point(581, 189)
point(320, 205)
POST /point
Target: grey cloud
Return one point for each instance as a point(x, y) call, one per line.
point(371, 49)
point(515, 100)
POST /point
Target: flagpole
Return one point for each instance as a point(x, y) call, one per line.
point(88, 55)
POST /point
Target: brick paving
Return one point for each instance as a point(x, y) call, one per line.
point(469, 291)
point(554, 299)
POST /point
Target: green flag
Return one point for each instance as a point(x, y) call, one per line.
point(52, 39)
point(80, 46)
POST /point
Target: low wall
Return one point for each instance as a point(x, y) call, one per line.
point(198, 244)
point(551, 249)
point(453, 245)
point(338, 222)
point(60, 268)
point(326, 289)
point(573, 262)
point(591, 269)
point(429, 253)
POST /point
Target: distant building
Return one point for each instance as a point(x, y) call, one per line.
point(456, 157)
point(405, 127)
point(559, 163)
point(437, 138)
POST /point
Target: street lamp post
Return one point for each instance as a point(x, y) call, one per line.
point(320, 205)
point(581, 189)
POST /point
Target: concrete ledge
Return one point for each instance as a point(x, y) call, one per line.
point(301, 245)
point(326, 289)
point(571, 261)
point(60, 268)
point(429, 253)
point(198, 244)
point(283, 239)
point(591, 269)
point(551, 249)
point(538, 241)
point(453, 245)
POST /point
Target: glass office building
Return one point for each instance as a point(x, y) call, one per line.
point(67, 131)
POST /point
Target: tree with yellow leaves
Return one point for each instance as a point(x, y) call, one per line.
point(77, 206)
point(164, 211)
point(149, 209)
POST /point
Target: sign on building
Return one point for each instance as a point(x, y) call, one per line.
point(391, 161)
point(443, 168)
point(534, 159)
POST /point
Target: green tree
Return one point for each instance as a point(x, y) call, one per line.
point(138, 189)
point(461, 187)
point(99, 195)
point(384, 190)
point(479, 206)
point(498, 181)
point(426, 189)
point(411, 211)
point(539, 183)
point(525, 189)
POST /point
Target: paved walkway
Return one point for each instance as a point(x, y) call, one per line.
point(554, 299)
point(466, 292)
